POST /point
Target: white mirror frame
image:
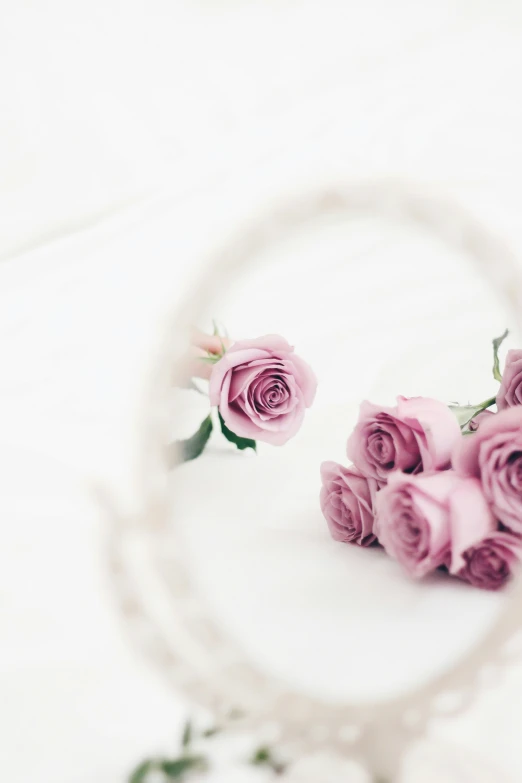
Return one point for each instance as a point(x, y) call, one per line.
point(174, 625)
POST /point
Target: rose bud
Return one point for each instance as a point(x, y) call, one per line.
point(474, 424)
point(201, 346)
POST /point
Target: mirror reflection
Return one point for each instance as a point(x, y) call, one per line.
point(361, 580)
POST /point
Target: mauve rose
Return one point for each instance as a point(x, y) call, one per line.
point(510, 390)
point(480, 553)
point(347, 503)
point(493, 454)
point(262, 389)
point(418, 434)
point(415, 513)
point(490, 563)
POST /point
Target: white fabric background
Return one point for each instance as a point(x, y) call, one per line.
point(132, 136)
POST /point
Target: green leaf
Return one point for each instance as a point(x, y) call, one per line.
point(497, 342)
point(191, 448)
point(176, 768)
point(186, 737)
point(241, 443)
point(142, 770)
point(465, 413)
point(263, 756)
point(212, 358)
point(211, 732)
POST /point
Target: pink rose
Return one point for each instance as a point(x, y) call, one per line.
point(480, 553)
point(417, 435)
point(510, 391)
point(494, 455)
point(262, 389)
point(415, 513)
point(490, 563)
point(347, 503)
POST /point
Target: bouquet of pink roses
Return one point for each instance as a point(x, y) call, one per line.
point(437, 486)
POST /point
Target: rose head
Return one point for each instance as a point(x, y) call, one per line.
point(347, 503)
point(494, 455)
point(262, 389)
point(481, 554)
point(418, 434)
point(510, 391)
point(413, 520)
point(489, 562)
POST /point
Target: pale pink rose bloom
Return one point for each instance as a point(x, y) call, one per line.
point(481, 554)
point(510, 390)
point(414, 516)
point(494, 455)
point(418, 434)
point(262, 389)
point(347, 499)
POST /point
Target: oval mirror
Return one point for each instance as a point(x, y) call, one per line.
point(247, 601)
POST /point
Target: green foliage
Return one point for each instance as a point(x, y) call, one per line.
point(497, 342)
point(194, 446)
point(172, 769)
point(186, 737)
point(263, 757)
point(240, 443)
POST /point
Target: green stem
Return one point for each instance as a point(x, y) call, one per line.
point(486, 404)
point(465, 413)
point(497, 342)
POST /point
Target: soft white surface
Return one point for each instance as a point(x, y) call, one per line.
point(192, 109)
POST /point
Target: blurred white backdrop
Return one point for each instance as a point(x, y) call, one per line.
point(132, 138)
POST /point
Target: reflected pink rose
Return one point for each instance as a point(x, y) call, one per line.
point(415, 513)
point(510, 390)
point(418, 434)
point(480, 553)
point(476, 548)
point(262, 389)
point(494, 455)
point(347, 499)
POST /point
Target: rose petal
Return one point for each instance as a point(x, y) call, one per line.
point(471, 519)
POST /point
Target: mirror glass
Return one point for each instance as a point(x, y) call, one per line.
point(378, 309)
